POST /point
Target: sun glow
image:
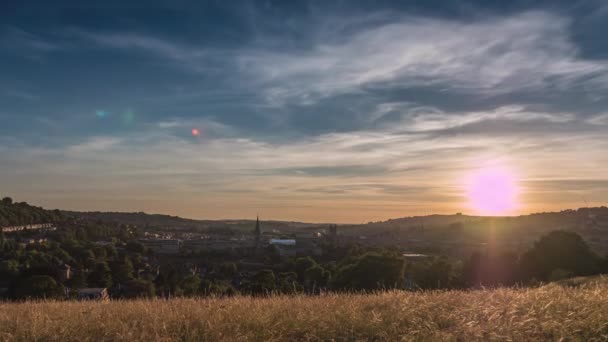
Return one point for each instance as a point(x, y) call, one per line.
point(492, 191)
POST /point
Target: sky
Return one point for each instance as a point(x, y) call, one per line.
point(319, 111)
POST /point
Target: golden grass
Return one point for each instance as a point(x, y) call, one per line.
point(577, 311)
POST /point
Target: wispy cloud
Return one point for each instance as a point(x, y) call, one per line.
point(16, 38)
point(94, 145)
point(495, 55)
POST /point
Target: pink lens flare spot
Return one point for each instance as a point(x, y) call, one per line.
point(195, 132)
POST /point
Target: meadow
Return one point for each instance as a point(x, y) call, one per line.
point(571, 310)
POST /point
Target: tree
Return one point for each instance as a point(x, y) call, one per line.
point(316, 277)
point(167, 281)
point(263, 282)
point(217, 288)
point(138, 288)
point(135, 247)
point(9, 269)
point(191, 285)
point(101, 276)
point(435, 273)
point(228, 269)
point(371, 271)
point(288, 283)
point(303, 264)
point(122, 270)
point(78, 280)
point(559, 250)
point(7, 201)
point(38, 286)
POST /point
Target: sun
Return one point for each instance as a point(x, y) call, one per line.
point(492, 190)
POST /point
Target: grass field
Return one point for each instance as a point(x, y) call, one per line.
point(573, 310)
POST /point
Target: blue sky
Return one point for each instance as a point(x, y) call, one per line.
point(343, 111)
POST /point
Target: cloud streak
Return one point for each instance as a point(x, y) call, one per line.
point(529, 51)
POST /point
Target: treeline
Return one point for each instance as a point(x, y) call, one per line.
point(21, 213)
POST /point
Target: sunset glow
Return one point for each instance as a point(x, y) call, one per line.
point(492, 191)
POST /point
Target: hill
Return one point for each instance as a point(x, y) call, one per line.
point(573, 310)
point(168, 222)
point(460, 234)
point(21, 213)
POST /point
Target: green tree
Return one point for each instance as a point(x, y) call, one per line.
point(101, 276)
point(435, 273)
point(303, 264)
point(39, 286)
point(228, 269)
point(138, 288)
point(122, 270)
point(263, 282)
point(288, 283)
point(191, 285)
point(9, 269)
point(371, 271)
point(559, 250)
point(78, 280)
point(135, 247)
point(316, 277)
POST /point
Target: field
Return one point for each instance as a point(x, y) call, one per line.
point(572, 310)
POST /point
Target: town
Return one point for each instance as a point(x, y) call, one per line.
point(111, 255)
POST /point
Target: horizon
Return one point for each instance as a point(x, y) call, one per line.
point(262, 219)
point(309, 111)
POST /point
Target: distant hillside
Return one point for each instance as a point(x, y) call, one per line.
point(168, 222)
point(589, 218)
point(21, 213)
point(459, 234)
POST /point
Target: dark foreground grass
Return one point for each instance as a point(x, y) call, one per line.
point(576, 310)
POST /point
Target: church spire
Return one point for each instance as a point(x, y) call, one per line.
point(258, 230)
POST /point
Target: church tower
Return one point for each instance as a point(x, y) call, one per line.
point(257, 231)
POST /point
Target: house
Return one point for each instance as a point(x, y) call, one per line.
point(93, 294)
point(45, 226)
point(285, 247)
point(162, 246)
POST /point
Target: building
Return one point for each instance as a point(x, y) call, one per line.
point(285, 247)
point(216, 245)
point(41, 226)
point(162, 246)
point(333, 234)
point(93, 294)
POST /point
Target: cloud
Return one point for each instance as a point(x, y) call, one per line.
point(435, 120)
point(94, 145)
point(169, 124)
point(19, 94)
point(528, 51)
point(180, 55)
point(16, 38)
point(601, 119)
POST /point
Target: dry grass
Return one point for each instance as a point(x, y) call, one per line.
point(569, 311)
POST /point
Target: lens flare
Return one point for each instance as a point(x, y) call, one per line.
point(195, 132)
point(128, 117)
point(101, 113)
point(492, 191)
